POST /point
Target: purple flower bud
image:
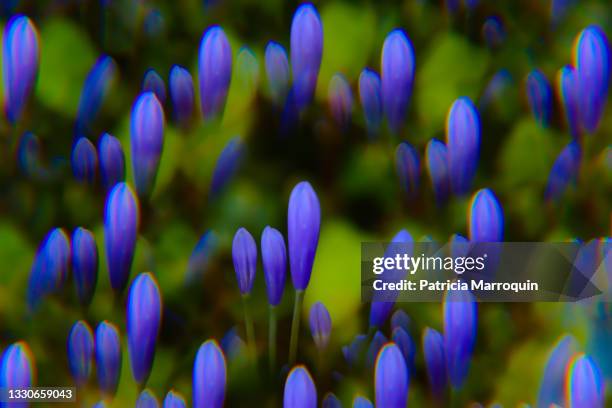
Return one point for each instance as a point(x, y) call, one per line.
point(377, 343)
point(20, 56)
point(121, 218)
point(300, 390)
point(559, 8)
point(182, 94)
point(306, 53)
point(277, 72)
point(80, 352)
point(174, 400)
point(303, 225)
point(437, 165)
point(244, 254)
point(99, 404)
point(459, 246)
point(353, 351)
point(152, 82)
point(406, 345)
point(463, 144)
point(592, 61)
point(397, 67)
point(84, 160)
point(112, 160)
point(201, 255)
point(96, 86)
point(17, 370)
point(274, 259)
point(84, 264)
point(568, 88)
point(539, 96)
point(215, 71)
point(231, 344)
point(408, 167)
point(486, 218)
point(494, 91)
point(340, 99)
point(370, 96)
point(147, 399)
point(320, 325)
point(452, 6)
point(227, 165)
point(362, 402)
point(435, 361)
point(493, 32)
point(147, 139)
point(144, 311)
point(552, 389)
point(585, 385)
point(209, 376)
point(391, 378)
point(564, 171)
point(108, 357)
point(331, 401)
point(400, 319)
point(460, 321)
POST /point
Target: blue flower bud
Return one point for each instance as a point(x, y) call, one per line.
point(320, 325)
point(244, 255)
point(227, 165)
point(152, 82)
point(564, 171)
point(406, 345)
point(408, 167)
point(585, 385)
point(303, 225)
point(274, 259)
point(215, 71)
point(108, 357)
point(84, 264)
point(370, 96)
point(400, 319)
point(99, 404)
point(306, 53)
point(377, 343)
point(147, 399)
point(459, 246)
point(17, 370)
point(121, 218)
point(147, 141)
point(201, 255)
point(331, 401)
point(209, 376)
point(437, 165)
point(20, 56)
point(144, 310)
point(112, 161)
point(391, 378)
point(552, 387)
point(300, 390)
point(174, 400)
point(462, 143)
point(362, 402)
point(493, 32)
point(340, 99)
point(277, 72)
point(486, 218)
point(182, 94)
point(95, 88)
point(568, 88)
point(460, 321)
point(84, 160)
point(435, 361)
point(80, 352)
point(539, 96)
point(494, 91)
point(353, 351)
point(397, 67)
point(231, 344)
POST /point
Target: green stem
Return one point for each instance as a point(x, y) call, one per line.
point(272, 338)
point(250, 329)
point(295, 325)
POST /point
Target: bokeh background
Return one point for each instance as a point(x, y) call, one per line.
point(354, 177)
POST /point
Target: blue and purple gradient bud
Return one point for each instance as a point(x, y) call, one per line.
point(552, 387)
point(370, 96)
point(352, 352)
point(494, 32)
point(564, 171)
point(331, 401)
point(404, 341)
point(277, 72)
point(144, 313)
point(20, 56)
point(215, 71)
point(437, 165)
point(95, 88)
point(391, 378)
point(398, 68)
point(274, 259)
point(84, 264)
point(377, 343)
point(112, 161)
point(568, 89)
point(152, 82)
point(174, 400)
point(300, 390)
point(17, 370)
point(408, 168)
point(147, 399)
point(80, 352)
point(435, 361)
point(182, 94)
point(108, 357)
point(340, 99)
point(460, 323)
point(244, 255)
point(320, 325)
point(121, 218)
point(486, 217)
point(362, 402)
point(592, 61)
point(147, 141)
point(209, 376)
point(200, 256)
point(228, 163)
point(400, 319)
point(585, 384)
point(539, 96)
point(306, 53)
point(84, 161)
point(231, 344)
point(462, 144)
point(303, 226)
point(459, 246)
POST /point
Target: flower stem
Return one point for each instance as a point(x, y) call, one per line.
point(272, 338)
point(295, 325)
point(250, 329)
